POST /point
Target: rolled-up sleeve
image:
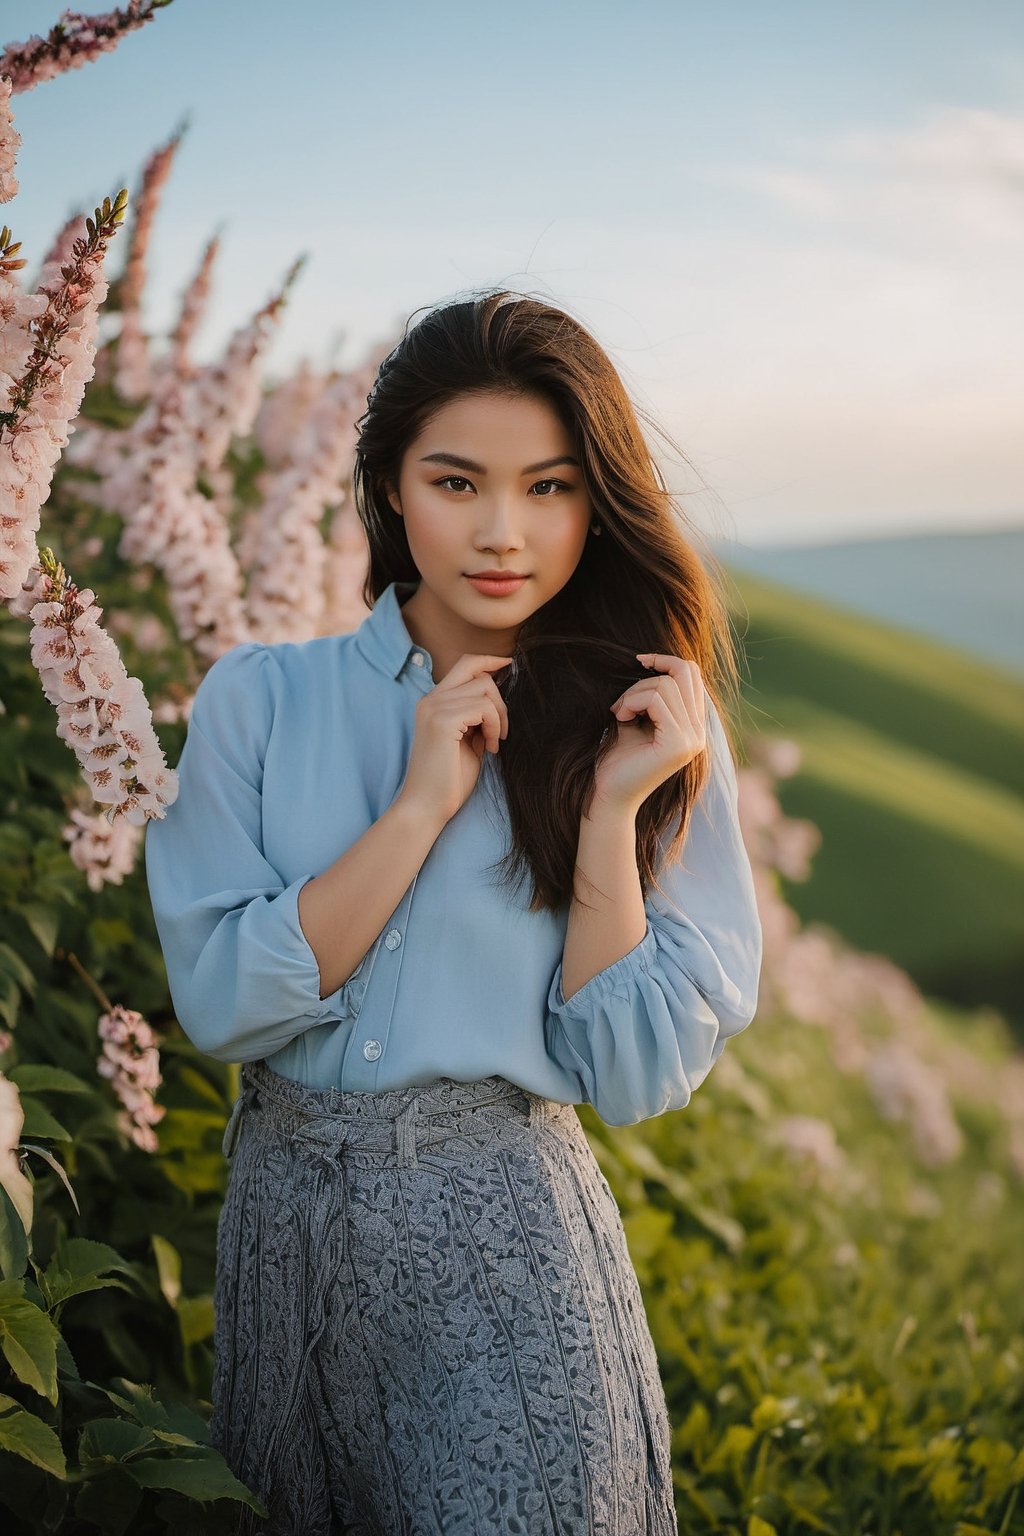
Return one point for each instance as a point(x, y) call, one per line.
point(643, 1034)
point(242, 976)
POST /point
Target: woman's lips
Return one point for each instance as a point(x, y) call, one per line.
point(495, 586)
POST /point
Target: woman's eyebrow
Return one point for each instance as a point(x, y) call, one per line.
point(478, 469)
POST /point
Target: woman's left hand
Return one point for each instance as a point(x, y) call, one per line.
point(660, 729)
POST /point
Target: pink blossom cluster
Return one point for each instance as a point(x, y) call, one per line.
point(785, 843)
point(193, 305)
point(62, 250)
point(226, 395)
point(104, 853)
point(286, 595)
point(171, 524)
point(281, 424)
point(812, 1143)
point(347, 552)
point(906, 1088)
point(149, 633)
point(345, 569)
point(101, 712)
point(10, 143)
point(150, 473)
point(130, 1060)
point(47, 345)
point(74, 40)
point(132, 373)
point(876, 1018)
point(287, 429)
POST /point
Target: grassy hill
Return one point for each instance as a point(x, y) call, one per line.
point(913, 766)
point(959, 587)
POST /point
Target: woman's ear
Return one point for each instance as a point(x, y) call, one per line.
point(391, 493)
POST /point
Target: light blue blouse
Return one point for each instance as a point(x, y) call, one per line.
point(293, 751)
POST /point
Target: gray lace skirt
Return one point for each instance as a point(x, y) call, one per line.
point(427, 1319)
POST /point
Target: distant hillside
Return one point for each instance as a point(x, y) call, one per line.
point(964, 589)
point(913, 767)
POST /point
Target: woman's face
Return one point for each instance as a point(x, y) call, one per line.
point(489, 484)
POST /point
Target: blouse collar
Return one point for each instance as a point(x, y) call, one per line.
point(382, 636)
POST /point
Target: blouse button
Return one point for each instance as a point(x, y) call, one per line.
point(371, 1050)
point(417, 658)
point(392, 939)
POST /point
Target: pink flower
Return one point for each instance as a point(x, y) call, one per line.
point(130, 1061)
point(73, 41)
point(106, 853)
point(10, 142)
point(101, 712)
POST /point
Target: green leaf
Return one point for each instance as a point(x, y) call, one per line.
point(12, 964)
point(196, 1318)
point(58, 1168)
point(39, 1121)
point(184, 1421)
point(81, 1264)
point(109, 1440)
point(109, 1500)
point(27, 1436)
point(168, 1267)
point(10, 1000)
point(43, 923)
point(66, 1364)
point(13, 1239)
point(731, 1449)
point(29, 1340)
point(646, 1230)
point(38, 1077)
point(169, 1437)
point(641, 1157)
point(136, 1398)
point(203, 1476)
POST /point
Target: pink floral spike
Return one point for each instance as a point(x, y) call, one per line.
point(132, 369)
point(101, 712)
point(286, 595)
point(10, 143)
point(74, 40)
point(47, 347)
point(105, 853)
point(130, 1061)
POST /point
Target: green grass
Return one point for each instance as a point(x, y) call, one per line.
point(913, 756)
point(841, 1348)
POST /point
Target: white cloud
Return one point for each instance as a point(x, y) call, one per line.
point(956, 177)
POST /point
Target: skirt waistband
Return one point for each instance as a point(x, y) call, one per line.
point(395, 1120)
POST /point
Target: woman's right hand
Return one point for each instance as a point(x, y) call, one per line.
point(457, 721)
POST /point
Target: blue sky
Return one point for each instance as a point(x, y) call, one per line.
point(796, 227)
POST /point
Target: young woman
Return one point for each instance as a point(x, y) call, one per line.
point(434, 882)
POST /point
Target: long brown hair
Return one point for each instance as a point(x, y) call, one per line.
point(640, 586)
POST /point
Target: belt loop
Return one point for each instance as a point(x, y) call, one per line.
point(538, 1110)
point(405, 1135)
point(234, 1122)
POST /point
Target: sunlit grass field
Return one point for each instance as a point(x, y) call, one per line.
point(913, 768)
point(840, 1324)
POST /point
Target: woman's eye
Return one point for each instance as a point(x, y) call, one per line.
point(449, 479)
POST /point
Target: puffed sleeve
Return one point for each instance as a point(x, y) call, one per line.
point(242, 976)
point(644, 1033)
